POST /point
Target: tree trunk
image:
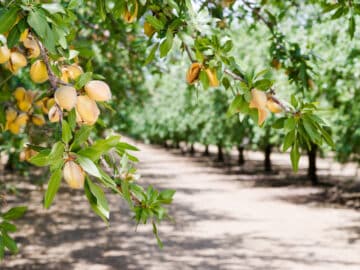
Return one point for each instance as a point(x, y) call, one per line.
point(165, 144)
point(177, 145)
point(206, 152)
point(267, 160)
point(241, 160)
point(9, 166)
point(192, 149)
point(220, 153)
point(312, 165)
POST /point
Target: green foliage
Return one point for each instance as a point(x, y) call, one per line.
point(7, 227)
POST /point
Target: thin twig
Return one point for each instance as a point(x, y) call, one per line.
point(233, 75)
point(52, 77)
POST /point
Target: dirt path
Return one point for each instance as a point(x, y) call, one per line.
point(222, 222)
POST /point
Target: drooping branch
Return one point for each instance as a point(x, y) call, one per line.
point(271, 93)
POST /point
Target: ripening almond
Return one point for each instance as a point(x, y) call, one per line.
point(74, 71)
point(227, 3)
point(10, 117)
point(54, 114)
point(259, 101)
point(66, 97)
point(273, 106)
point(16, 62)
point(213, 80)
point(14, 128)
point(38, 120)
point(27, 153)
point(98, 90)
point(73, 174)
point(311, 84)
point(24, 35)
point(19, 93)
point(22, 119)
point(33, 47)
point(14, 122)
point(148, 29)
point(39, 72)
point(26, 103)
point(130, 17)
point(45, 104)
point(64, 74)
point(4, 54)
point(193, 73)
point(276, 63)
point(87, 109)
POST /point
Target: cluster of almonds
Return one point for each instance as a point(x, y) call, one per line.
point(87, 111)
point(263, 103)
point(129, 17)
point(193, 74)
point(15, 120)
point(14, 60)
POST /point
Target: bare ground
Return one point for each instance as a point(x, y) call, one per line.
point(226, 218)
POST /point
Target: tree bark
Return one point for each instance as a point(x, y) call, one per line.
point(241, 159)
point(267, 160)
point(220, 153)
point(192, 149)
point(206, 152)
point(177, 145)
point(312, 171)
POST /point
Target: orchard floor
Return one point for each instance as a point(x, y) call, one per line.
point(226, 218)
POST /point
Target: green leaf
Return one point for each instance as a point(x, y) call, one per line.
point(352, 26)
point(97, 200)
point(290, 124)
point(10, 243)
point(167, 44)
point(53, 186)
point(239, 104)
point(295, 157)
point(14, 36)
point(8, 19)
point(126, 146)
point(101, 9)
point(8, 227)
point(155, 232)
point(72, 119)
point(279, 123)
point(66, 132)
point(166, 196)
point(81, 136)
point(38, 22)
point(100, 147)
point(83, 79)
point(57, 151)
point(156, 23)
point(73, 4)
point(2, 248)
point(15, 213)
point(289, 140)
point(263, 84)
point(53, 8)
point(227, 46)
point(152, 53)
point(125, 192)
point(41, 159)
point(311, 130)
point(89, 166)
